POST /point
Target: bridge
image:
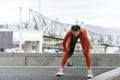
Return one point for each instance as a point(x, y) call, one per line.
point(56, 29)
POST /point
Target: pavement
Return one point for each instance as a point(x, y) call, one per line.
point(116, 78)
point(48, 72)
point(113, 74)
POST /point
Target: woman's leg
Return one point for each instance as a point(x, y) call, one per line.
point(88, 59)
point(88, 62)
point(63, 62)
point(64, 59)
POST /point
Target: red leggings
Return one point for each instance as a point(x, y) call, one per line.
point(65, 57)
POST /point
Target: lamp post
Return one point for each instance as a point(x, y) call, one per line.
point(76, 22)
point(20, 42)
point(82, 24)
point(39, 4)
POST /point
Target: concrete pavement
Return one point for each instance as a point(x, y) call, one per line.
point(113, 74)
point(116, 78)
point(47, 73)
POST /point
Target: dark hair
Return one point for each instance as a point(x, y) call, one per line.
point(75, 27)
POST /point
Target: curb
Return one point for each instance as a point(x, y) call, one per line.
point(107, 75)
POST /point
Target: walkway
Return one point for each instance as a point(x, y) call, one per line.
point(47, 73)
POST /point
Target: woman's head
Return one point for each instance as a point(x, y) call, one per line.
point(75, 30)
point(75, 27)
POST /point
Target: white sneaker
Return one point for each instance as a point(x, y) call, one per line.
point(90, 75)
point(60, 72)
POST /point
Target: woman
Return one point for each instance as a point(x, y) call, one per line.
point(70, 39)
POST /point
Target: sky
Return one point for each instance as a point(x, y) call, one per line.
point(104, 13)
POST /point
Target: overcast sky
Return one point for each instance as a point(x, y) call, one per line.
point(103, 13)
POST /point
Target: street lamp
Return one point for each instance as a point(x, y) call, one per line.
point(82, 24)
point(20, 42)
point(76, 22)
point(39, 4)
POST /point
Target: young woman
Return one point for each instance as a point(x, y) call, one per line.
point(70, 39)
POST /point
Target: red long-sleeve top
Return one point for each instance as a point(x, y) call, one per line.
point(83, 40)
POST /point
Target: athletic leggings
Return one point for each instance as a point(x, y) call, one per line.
point(86, 54)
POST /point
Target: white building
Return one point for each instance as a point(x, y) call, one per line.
point(27, 38)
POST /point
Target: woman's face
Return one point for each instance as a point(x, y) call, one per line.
point(75, 33)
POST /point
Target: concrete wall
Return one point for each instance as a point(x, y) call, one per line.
point(49, 59)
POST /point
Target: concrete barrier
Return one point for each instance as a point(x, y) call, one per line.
point(53, 59)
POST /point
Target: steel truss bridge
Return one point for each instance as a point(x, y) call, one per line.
point(56, 29)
